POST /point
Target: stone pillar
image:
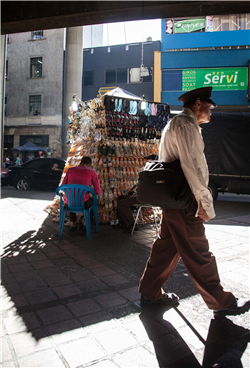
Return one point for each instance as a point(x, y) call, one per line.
point(2, 93)
point(72, 76)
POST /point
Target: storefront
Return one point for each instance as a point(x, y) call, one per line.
point(118, 131)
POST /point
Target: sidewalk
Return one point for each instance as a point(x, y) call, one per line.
point(75, 303)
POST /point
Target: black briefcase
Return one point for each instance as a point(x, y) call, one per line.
point(164, 185)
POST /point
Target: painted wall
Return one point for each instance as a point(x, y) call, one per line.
point(204, 39)
point(118, 58)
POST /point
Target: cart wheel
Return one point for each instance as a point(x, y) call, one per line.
point(213, 189)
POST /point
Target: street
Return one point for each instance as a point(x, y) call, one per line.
point(75, 303)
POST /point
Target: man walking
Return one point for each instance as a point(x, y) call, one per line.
point(84, 175)
point(182, 231)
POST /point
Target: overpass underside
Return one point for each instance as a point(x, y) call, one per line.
point(24, 16)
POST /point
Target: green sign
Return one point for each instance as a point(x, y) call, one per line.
point(189, 25)
point(220, 79)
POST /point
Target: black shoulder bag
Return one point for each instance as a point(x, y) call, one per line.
point(163, 185)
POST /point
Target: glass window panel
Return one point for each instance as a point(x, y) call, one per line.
point(248, 21)
point(36, 67)
point(36, 35)
point(35, 105)
point(110, 77)
point(242, 21)
point(225, 23)
point(134, 75)
point(121, 75)
point(233, 22)
point(88, 78)
point(217, 23)
point(6, 70)
point(146, 74)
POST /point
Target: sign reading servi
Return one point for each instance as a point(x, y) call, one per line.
point(221, 79)
point(218, 78)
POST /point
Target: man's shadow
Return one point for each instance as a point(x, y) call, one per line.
point(223, 347)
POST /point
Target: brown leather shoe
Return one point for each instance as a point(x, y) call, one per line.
point(169, 299)
point(239, 306)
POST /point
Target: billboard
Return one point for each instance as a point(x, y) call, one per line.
point(189, 25)
point(221, 79)
point(175, 26)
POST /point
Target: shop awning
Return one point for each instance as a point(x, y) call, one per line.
point(29, 146)
point(122, 93)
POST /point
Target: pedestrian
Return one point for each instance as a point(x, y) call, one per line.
point(55, 167)
point(84, 175)
point(18, 161)
point(7, 161)
point(182, 232)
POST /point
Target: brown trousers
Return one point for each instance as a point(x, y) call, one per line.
point(183, 235)
point(124, 209)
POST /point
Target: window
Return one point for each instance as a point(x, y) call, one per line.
point(36, 67)
point(242, 21)
point(110, 77)
point(6, 70)
point(225, 23)
point(116, 76)
point(146, 74)
point(121, 75)
point(42, 164)
point(248, 21)
point(37, 35)
point(5, 106)
point(88, 78)
point(134, 75)
point(140, 75)
point(39, 140)
point(35, 105)
point(8, 38)
point(8, 141)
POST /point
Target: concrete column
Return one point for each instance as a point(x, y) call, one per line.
point(2, 93)
point(72, 76)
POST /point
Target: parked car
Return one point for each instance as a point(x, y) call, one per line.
point(4, 176)
point(36, 174)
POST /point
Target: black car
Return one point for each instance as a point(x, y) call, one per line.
point(40, 173)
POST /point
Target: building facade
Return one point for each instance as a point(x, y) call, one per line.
point(34, 90)
point(209, 51)
point(35, 78)
point(128, 66)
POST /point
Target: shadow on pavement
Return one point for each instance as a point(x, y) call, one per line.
point(63, 285)
point(225, 342)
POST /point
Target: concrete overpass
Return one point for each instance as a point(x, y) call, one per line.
point(25, 16)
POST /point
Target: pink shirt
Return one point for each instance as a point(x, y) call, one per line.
point(82, 175)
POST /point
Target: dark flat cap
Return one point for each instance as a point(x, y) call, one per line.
point(202, 94)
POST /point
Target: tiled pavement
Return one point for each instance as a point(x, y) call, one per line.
point(75, 303)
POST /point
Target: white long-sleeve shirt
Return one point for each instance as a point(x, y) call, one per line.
point(181, 139)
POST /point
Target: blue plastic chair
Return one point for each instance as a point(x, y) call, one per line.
point(75, 194)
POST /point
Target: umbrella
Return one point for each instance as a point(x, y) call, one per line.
point(29, 146)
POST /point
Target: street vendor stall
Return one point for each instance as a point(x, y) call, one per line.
point(118, 131)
